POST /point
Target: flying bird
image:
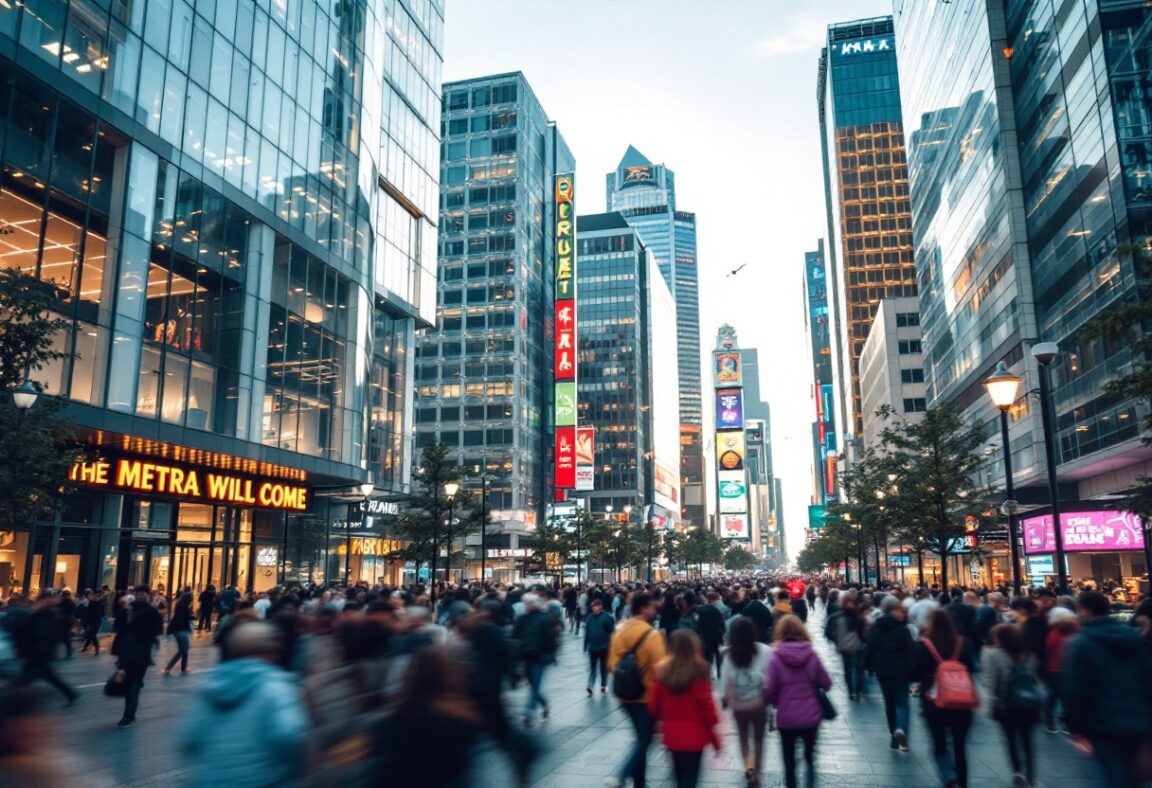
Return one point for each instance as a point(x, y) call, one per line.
point(735, 271)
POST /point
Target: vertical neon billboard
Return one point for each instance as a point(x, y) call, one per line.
point(564, 328)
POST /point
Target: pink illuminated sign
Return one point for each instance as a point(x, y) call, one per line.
point(1084, 532)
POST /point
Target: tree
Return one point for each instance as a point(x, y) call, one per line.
point(38, 445)
point(737, 559)
point(701, 546)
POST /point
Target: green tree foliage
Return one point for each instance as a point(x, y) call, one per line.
point(737, 559)
point(37, 446)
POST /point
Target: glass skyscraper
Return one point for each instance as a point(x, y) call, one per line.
point(484, 374)
point(626, 337)
point(235, 203)
point(645, 194)
point(866, 187)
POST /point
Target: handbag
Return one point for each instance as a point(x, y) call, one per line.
point(117, 685)
point(827, 710)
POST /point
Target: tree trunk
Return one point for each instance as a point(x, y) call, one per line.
point(944, 565)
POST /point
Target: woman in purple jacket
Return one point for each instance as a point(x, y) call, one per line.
point(793, 676)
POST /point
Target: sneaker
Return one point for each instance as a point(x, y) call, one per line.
point(167, 671)
point(901, 740)
point(893, 744)
point(1019, 779)
point(603, 690)
point(589, 688)
point(125, 723)
point(186, 670)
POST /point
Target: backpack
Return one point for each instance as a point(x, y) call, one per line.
point(847, 638)
point(628, 679)
point(748, 686)
point(953, 688)
point(1022, 691)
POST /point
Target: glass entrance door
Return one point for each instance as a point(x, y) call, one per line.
point(196, 568)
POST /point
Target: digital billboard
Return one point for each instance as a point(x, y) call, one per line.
point(730, 451)
point(734, 526)
point(726, 368)
point(585, 459)
point(1084, 532)
point(564, 331)
point(729, 409)
point(732, 491)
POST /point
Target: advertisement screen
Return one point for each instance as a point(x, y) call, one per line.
point(726, 369)
point(729, 409)
point(585, 459)
point(734, 526)
point(666, 487)
point(732, 492)
point(730, 451)
point(565, 458)
point(566, 404)
point(1084, 532)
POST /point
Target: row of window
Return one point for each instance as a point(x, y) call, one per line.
point(907, 319)
point(466, 438)
point(470, 413)
point(486, 96)
point(501, 145)
point(912, 375)
point(478, 124)
point(915, 404)
point(909, 346)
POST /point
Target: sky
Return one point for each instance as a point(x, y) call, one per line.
point(724, 93)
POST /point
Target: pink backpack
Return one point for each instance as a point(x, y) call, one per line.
point(953, 688)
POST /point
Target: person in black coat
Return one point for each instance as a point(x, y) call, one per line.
point(888, 654)
point(180, 628)
point(35, 636)
point(142, 625)
point(760, 614)
point(940, 629)
point(207, 602)
point(710, 628)
point(91, 618)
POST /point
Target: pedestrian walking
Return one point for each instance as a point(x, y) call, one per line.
point(598, 629)
point(536, 633)
point(35, 637)
point(710, 628)
point(888, 655)
point(682, 704)
point(246, 725)
point(180, 628)
point(846, 631)
point(1011, 676)
point(742, 691)
point(1106, 692)
point(942, 657)
point(637, 644)
point(795, 678)
point(91, 618)
point(206, 602)
point(760, 614)
point(143, 624)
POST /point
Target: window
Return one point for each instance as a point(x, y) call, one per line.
point(912, 375)
point(504, 94)
point(458, 99)
point(474, 413)
point(474, 437)
point(907, 319)
point(909, 346)
point(915, 405)
point(425, 415)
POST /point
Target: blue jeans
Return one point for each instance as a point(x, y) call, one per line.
point(896, 709)
point(636, 766)
point(183, 641)
point(535, 671)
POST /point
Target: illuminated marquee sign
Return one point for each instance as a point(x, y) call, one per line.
point(866, 45)
point(194, 484)
point(564, 333)
point(370, 546)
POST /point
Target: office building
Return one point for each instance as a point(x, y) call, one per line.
point(627, 369)
point(645, 194)
point(484, 374)
point(1029, 157)
point(892, 369)
point(243, 240)
point(869, 255)
point(816, 314)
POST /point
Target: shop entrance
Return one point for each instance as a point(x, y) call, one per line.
point(197, 566)
point(149, 565)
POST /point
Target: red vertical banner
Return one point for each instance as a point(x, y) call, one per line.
point(564, 332)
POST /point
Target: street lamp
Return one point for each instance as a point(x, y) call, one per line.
point(450, 490)
point(25, 395)
point(861, 579)
point(366, 489)
point(1045, 353)
point(483, 525)
point(1002, 387)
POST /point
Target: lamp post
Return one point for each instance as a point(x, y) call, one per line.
point(1146, 524)
point(1002, 387)
point(483, 526)
point(365, 492)
point(24, 397)
point(450, 490)
point(1045, 353)
point(860, 578)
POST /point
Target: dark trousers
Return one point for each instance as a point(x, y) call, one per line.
point(91, 637)
point(788, 737)
point(941, 722)
point(896, 709)
point(1018, 735)
point(134, 674)
point(686, 766)
point(1116, 759)
point(183, 640)
point(205, 620)
point(712, 655)
point(853, 671)
point(42, 669)
point(636, 766)
point(598, 659)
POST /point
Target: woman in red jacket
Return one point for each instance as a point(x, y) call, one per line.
point(681, 702)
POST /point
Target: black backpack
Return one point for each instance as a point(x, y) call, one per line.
point(1023, 693)
point(628, 679)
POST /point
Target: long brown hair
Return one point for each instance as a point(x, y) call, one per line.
point(742, 640)
point(1008, 639)
point(941, 630)
point(790, 627)
point(685, 664)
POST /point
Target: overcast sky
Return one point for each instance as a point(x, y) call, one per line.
point(724, 93)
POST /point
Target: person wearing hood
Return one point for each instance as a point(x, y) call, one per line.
point(254, 712)
point(795, 674)
point(1105, 690)
point(888, 654)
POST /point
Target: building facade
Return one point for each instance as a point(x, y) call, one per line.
point(816, 318)
point(627, 328)
point(892, 369)
point(645, 194)
point(236, 205)
point(484, 374)
point(870, 253)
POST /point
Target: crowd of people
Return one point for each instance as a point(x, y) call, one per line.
point(398, 686)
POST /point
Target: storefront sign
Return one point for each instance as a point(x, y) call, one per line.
point(376, 506)
point(1084, 532)
point(370, 546)
point(564, 332)
point(268, 556)
point(729, 409)
point(726, 370)
point(507, 552)
point(585, 458)
point(195, 484)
